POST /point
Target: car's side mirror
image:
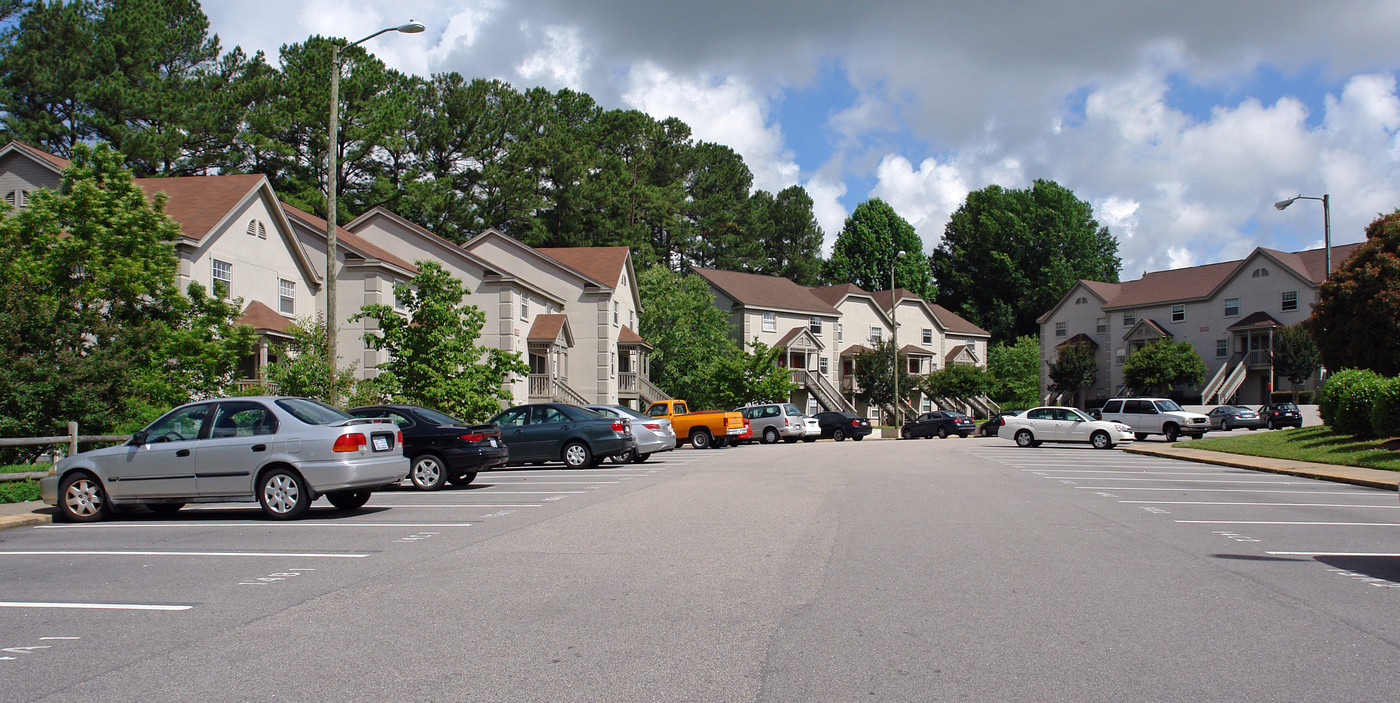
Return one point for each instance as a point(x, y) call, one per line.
point(138, 439)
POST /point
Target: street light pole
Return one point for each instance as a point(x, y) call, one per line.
point(332, 147)
point(894, 339)
point(1326, 224)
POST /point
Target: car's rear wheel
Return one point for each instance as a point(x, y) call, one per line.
point(857, 438)
point(838, 434)
point(428, 473)
point(1024, 438)
point(463, 480)
point(962, 435)
point(625, 457)
point(640, 458)
point(700, 439)
point(1225, 425)
point(943, 433)
point(577, 455)
point(283, 494)
point(1139, 436)
point(904, 433)
point(348, 500)
point(770, 436)
point(81, 498)
point(1101, 440)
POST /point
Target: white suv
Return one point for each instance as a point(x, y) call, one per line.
point(1155, 416)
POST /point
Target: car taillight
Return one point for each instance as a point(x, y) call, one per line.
point(622, 428)
point(398, 437)
point(855, 423)
point(352, 442)
point(1001, 422)
point(651, 425)
point(473, 437)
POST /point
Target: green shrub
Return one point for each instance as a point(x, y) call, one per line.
point(1385, 412)
point(18, 491)
point(1351, 411)
point(1329, 394)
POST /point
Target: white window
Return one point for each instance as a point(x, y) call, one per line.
point(1178, 313)
point(821, 365)
point(1290, 300)
point(928, 335)
point(286, 296)
point(1129, 318)
point(256, 229)
point(839, 333)
point(632, 319)
point(617, 309)
point(524, 305)
point(876, 334)
point(1232, 307)
point(612, 365)
point(927, 406)
point(770, 322)
point(393, 291)
point(1061, 329)
point(814, 325)
point(1120, 355)
point(223, 279)
point(1222, 348)
point(812, 406)
point(1102, 325)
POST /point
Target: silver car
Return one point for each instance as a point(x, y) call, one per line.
point(280, 451)
point(774, 421)
point(653, 434)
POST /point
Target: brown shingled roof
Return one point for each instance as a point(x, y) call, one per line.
point(832, 295)
point(56, 162)
point(1256, 319)
point(911, 350)
point(953, 353)
point(951, 321)
point(602, 264)
point(627, 336)
point(351, 240)
point(197, 203)
point(755, 290)
point(263, 319)
point(546, 328)
point(1080, 338)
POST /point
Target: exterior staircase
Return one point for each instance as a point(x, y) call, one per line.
point(649, 392)
point(823, 390)
point(1213, 393)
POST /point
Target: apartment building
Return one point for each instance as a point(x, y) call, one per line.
point(1228, 311)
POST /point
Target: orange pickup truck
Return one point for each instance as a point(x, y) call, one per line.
point(704, 428)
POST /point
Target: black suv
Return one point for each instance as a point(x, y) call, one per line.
point(1276, 415)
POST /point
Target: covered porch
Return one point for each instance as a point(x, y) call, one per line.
point(274, 333)
point(634, 386)
point(548, 344)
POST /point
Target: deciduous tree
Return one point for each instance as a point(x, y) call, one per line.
point(688, 333)
point(874, 376)
point(1163, 365)
point(1295, 355)
point(1356, 320)
point(1015, 372)
point(866, 248)
point(747, 376)
point(1075, 368)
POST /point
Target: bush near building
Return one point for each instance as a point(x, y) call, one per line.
point(1347, 399)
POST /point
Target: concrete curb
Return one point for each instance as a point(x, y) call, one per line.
point(1357, 476)
point(24, 520)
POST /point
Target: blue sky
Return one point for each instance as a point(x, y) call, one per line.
point(1181, 123)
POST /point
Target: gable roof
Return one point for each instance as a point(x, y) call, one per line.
point(1151, 325)
point(1259, 319)
point(352, 242)
point(263, 319)
point(951, 321)
point(39, 156)
point(603, 264)
point(959, 351)
point(768, 292)
point(1080, 338)
point(546, 328)
point(627, 336)
point(800, 331)
point(833, 295)
point(1099, 289)
point(200, 203)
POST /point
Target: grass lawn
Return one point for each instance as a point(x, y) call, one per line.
point(20, 491)
point(22, 468)
point(1319, 444)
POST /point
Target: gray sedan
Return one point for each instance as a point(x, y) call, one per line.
point(282, 452)
point(653, 434)
point(1229, 417)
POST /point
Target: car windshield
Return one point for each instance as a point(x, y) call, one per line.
point(1167, 406)
point(438, 418)
point(312, 412)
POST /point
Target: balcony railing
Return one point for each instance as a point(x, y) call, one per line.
point(626, 381)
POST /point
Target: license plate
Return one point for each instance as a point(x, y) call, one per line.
point(381, 444)
point(493, 441)
point(735, 430)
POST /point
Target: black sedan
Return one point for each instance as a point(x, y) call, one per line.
point(940, 423)
point(839, 424)
point(579, 437)
point(1276, 415)
point(441, 448)
point(990, 427)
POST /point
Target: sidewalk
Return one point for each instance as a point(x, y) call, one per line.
point(1372, 478)
point(25, 514)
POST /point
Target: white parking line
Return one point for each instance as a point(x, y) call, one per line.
point(1285, 522)
point(92, 606)
point(463, 505)
point(1157, 473)
point(181, 554)
point(1281, 505)
point(1163, 480)
point(113, 525)
point(563, 483)
point(533, 493)
point(1214, 490)
point(1335, 554)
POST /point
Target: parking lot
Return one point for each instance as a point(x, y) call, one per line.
point(958, 569)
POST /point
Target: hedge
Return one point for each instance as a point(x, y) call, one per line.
point(1385, 412)
point(1346, 399)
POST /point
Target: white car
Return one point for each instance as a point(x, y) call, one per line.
point(811, 428)
point(1061, 424)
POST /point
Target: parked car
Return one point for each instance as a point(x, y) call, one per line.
point(1061, 424)
point(1229, 417)
point(1276, 415)
point(440, 448)
point(543, 432)
point(940, 423)
point(653, 434)
point(811, 429)
point(774, 421)
point(989, 428)
point(1149, 416)
point(702, 428)
point(283, 452)
point(839, 424)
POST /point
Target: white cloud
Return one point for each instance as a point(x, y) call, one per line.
point(925, 197)
point(561, 62)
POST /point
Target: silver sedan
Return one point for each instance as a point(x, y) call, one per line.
point(280, 451)
point(653, 434)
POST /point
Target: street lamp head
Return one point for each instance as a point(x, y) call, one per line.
point(900, 255)
point(1285, 203)
point(413, 27)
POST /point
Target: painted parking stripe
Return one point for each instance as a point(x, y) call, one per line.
point(92, 606)
point(561, 483)
point(1154, 473)
point(1165, 480)
point(531, 493)
point(114, 525)
point(1335, 554)
point(306, 555)
point(1280, 505)
point(1288, 522)
point(1217, 490)
point(464, 505)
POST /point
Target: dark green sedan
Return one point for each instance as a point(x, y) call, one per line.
point(542, 432)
